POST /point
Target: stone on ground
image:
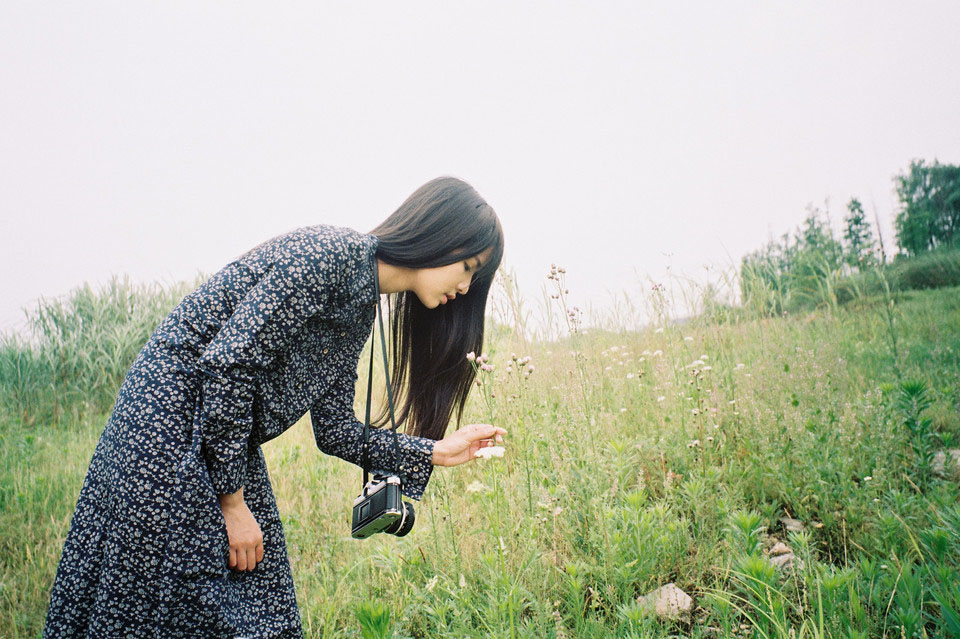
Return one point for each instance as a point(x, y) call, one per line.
point(940, 462)
point(791, 525)
point(668, 602)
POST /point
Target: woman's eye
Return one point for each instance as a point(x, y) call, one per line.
point(466, 266)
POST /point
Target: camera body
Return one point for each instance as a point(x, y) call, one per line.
point(379, 508)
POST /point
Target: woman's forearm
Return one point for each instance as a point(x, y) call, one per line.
point(231, 500)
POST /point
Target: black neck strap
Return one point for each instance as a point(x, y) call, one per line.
point(386, 371)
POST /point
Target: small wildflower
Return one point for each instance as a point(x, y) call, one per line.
point(693, 443)
point(623, 410)
point(707, 368)
point(476, 487)
point(867, 478)
point(629, 375)
point(659, 330)
point(661, 398)
point(433, 582)
point(471, 356)
point(657, 353)
point(739, 366)
point(490, 451)
point(557, 511)
point(687, 338)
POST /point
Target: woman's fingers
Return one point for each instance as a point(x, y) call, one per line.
point(259, 552)
point(486, 431)
point(233, 559)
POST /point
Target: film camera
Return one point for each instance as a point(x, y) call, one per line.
point(379, 508)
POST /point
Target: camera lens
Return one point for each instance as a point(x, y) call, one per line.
point(405, 524)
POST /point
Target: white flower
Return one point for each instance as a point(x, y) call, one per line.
point(687, 338)
point(867, 478)
point(659, 330)
point(707, 368)
point(739, 366)
point(476, 487)
point(490, 451)
point(463, 581)
point(629, 375)
point(623, 410)
point(661, 398)
point(433, 582)
point(471, 356)
point(695, 363)
point(657, 353)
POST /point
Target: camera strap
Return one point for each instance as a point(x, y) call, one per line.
point(386, 371)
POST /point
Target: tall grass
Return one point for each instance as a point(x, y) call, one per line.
point(629, 465)
point(80, 347)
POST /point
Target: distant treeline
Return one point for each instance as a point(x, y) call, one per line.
point(813, 268)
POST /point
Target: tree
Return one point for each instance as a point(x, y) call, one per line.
point(857, 237)
point(929, 207)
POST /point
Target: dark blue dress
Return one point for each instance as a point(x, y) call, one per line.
point(275, 333)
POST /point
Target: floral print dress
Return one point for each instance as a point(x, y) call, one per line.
point(275, 333)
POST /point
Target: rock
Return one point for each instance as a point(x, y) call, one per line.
point(668, 602)
point(791, 525)
point(940, 462)
point(780, 549)
point(789, 560)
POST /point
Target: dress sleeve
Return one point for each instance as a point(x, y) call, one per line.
point(338, 432)
point(264, 324)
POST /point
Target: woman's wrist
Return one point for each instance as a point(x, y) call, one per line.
point(231, 500)
point(439, 453)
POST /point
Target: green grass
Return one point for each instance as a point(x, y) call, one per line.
point(603, 494)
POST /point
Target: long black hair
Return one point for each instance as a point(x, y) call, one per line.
point(442, 222)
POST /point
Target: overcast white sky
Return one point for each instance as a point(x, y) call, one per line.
point(613, 138)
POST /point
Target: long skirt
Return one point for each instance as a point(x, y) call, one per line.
point(147, 550)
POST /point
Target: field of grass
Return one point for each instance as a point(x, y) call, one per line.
point(633, 460)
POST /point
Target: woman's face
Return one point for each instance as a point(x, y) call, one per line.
point(437, 285)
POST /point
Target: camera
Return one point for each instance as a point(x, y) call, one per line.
point(379, 508)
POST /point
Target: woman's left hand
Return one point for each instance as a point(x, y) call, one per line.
point(461, 446)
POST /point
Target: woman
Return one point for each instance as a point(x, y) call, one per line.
point(176, 531)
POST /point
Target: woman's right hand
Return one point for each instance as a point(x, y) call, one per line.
point(461, 446)
point(243, 531)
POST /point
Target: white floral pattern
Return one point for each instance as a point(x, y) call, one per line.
point(275, 333)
